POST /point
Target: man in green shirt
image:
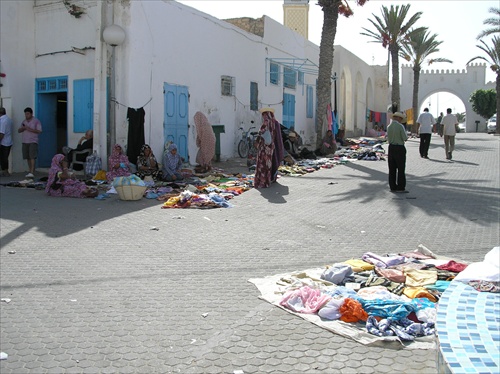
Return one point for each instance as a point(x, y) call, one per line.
point(396, 137)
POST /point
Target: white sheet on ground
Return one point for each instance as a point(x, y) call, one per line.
point(272, 292)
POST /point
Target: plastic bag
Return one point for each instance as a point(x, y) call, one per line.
point(131, 180)
point(93, 164)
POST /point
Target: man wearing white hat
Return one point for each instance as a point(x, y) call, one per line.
point(396, 137)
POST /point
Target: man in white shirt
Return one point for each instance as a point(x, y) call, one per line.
point(425, 122)
point(449, 123)
point(5, 141)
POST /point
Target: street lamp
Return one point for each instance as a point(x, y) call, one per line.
point(113, 35)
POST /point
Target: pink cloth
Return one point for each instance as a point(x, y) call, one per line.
point(304, 300)
point(205, 140)
point(67, 187)
point(117, 157)
point(28, 136)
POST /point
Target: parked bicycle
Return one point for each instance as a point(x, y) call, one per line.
point(245, 144)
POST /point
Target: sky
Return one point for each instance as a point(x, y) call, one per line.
point(456, 22)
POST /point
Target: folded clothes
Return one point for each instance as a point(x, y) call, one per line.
point(381, 261)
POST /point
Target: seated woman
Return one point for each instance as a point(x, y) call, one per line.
point(328, 145)
point(64, 184)
point(118, 165)
point(147, 164)
point(172, 163)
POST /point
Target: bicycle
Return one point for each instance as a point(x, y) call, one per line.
point(245, 144)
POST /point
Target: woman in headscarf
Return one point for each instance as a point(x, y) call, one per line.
point(328, 145)
point(172, 163)
point(279, 149)
point(147, 164)
point(62, 183)
point(205, 141)
point(118, 165)
point(265, 149)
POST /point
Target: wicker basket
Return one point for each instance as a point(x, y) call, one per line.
point(130, 192)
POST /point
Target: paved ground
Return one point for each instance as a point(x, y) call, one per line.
point(94, 289)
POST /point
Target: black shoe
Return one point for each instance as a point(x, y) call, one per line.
point(401, 191)
point(427, 157)
point(449, 156)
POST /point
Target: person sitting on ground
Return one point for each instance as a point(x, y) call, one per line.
point(118, 164)
point(62, 183)
point(147, 164)
point(85, 142)
point(292, 144)
point(172, 163)
point(328, 145)
point(298, 138)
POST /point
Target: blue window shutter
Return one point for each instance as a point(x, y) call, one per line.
point(83, 104)
point(309, 102)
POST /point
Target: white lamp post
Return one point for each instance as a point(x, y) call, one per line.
point(113, 35)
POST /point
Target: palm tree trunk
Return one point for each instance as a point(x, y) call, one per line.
point(498, 100)
point(395, 75)
point(324, 89)
point(416, 79)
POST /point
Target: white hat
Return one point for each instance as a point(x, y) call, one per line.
point(263, 110)
point(399, 115)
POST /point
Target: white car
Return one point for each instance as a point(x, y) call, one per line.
point(491, 126)
point(461, 127)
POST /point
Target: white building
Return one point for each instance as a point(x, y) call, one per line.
point(173, 62)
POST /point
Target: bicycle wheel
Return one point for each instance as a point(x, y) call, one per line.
point(252, 157)
point(243, 148)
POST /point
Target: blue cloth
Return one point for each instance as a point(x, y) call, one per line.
point(390, 309)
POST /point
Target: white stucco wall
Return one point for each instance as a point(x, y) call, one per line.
point(166, 42)
point(355, 95)
point(17, 50)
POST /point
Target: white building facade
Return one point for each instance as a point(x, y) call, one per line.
point(174, 61)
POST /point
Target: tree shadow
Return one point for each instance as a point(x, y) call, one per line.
point(29, 209)
point(434, 195)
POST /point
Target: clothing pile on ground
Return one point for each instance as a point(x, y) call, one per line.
point(305, 166)
point(211, 190)
point(375, 298)
point(369, 149)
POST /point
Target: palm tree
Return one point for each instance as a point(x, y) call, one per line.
point(493, 54)
point(391, 31)
point(331, 10)
point(493, 21)
point(419, 46)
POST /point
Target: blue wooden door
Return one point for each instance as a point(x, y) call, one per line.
point(176, 117)
point(288, 110)
point(83, 105)
point(46, 112)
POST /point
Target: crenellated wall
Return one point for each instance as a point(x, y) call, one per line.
point(459, 82)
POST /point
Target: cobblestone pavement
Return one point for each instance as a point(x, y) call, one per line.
point(94, 289)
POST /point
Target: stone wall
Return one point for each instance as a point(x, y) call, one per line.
point(252, 25)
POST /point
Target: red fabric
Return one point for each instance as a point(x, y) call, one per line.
point(453, 266)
